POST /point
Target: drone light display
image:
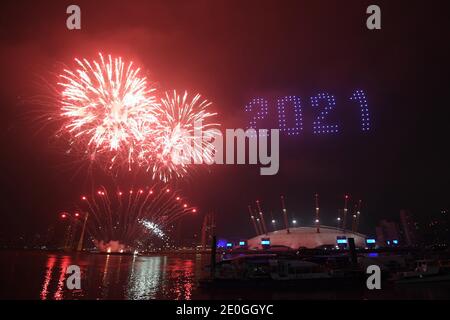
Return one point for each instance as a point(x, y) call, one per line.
point(322, 105)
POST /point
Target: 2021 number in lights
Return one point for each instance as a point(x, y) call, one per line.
point(322, 104)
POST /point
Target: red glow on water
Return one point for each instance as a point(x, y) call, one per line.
point(183, 289)
point(48, 277)
point(59, 293)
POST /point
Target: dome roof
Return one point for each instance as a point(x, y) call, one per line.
point(306, 237)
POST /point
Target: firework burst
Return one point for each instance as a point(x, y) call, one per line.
point(112, 117)
point(183, 137)
point(132, 216)
point(108, 109)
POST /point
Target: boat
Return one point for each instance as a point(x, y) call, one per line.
point(285, 270)
point(271, 270)
point(244, 267)
point(426, 270)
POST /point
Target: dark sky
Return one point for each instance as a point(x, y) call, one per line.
point(231, 51)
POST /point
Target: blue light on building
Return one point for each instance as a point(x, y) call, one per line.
point(221, 243)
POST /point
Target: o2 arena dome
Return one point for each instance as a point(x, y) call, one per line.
point(306, 237)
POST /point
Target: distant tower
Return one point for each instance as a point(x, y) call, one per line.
point(208, 227)
point(69, 237)
point(387, 232)
point(408, 227)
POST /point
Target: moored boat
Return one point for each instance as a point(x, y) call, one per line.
point(271, 270)
point(426, 270)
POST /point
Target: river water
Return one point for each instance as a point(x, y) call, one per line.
point(41, 275)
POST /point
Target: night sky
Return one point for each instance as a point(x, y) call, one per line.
point(230, 52)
